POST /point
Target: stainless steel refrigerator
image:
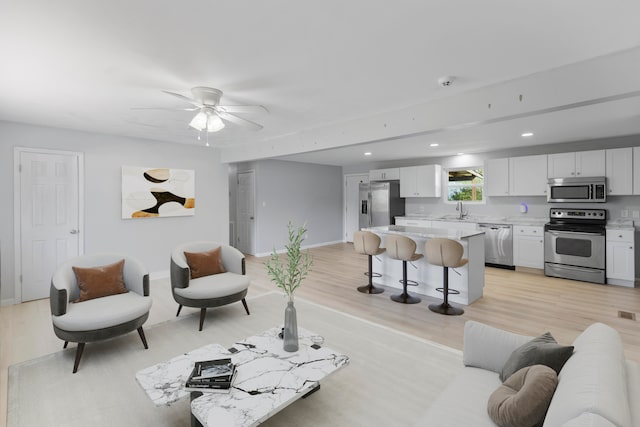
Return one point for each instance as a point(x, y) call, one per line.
point(380, 203)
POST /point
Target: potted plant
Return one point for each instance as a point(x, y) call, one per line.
point(288, 277)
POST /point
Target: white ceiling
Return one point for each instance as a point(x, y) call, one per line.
point(358, 74)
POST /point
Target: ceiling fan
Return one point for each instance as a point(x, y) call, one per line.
point(211, 115)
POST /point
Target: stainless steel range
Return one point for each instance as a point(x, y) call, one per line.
point(574, 244)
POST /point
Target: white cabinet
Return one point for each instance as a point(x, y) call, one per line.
point(528, 246)
point(619, 171)
point(424, 223)
point(636, 170)
point(496, 172)
point(384, 174)
point(581, 163)
point(421, 181)
point(528, 175)
point(621, 257)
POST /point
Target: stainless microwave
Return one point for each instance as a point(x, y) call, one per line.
point(577, 190)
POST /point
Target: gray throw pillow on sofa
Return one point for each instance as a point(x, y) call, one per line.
point(543, 350)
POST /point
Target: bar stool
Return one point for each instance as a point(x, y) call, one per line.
point(368, 243)
point(404, 249)
point(446, 253)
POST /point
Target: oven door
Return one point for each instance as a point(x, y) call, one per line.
point(582, 249)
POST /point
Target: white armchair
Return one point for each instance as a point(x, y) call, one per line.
point(99, 318)
point(208, 291)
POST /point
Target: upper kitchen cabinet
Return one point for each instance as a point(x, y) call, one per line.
point(636, 170)
point(619, 171)
point(421, 181)
point(384, 174)
point(581, 163)
point(496, 172)
point(528, 175)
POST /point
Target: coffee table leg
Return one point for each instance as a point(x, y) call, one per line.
point(313, 390)
point(194, 420)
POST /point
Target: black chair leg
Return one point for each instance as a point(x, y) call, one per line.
point(404, 297)
point(179, 308)
point(445, 307)
point(66, 343)
point(370, 289)
point(79, 351)
point(246, 307)
point(203, 312)
point(142, 337)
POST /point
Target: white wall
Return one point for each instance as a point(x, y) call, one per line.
point(150, 240)
point(300, 192)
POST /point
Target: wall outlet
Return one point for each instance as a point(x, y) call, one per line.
point(624, 213)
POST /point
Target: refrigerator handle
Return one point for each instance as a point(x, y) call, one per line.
point(364, 207)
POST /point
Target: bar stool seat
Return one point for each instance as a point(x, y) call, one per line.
point(404, 249)
point(368, 243)
point(448, 254)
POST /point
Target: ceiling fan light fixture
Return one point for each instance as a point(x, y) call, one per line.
point(208, 120)
point(199, 122)
point(214, 123)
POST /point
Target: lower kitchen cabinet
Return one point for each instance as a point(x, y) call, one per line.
point(528, 246)
point(621, 257)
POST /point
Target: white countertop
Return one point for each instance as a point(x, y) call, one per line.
point(620, 224)
point(425, 233)
point(516, 220)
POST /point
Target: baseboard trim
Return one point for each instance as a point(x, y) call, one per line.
point(158, 274)
point(8, 301)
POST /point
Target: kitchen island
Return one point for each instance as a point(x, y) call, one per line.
point(469, 282)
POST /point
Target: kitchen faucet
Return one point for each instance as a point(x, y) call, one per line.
point(461, 211)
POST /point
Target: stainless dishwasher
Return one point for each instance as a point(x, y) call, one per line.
point(498, 245)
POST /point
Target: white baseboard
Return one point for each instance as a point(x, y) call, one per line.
point(303, 247)
point(8, 301)
point(158, 274)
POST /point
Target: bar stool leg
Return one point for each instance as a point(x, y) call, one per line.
point(445, 307)
point(370, 289)
point(404, 297)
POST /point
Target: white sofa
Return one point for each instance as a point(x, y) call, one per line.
point(597, 387)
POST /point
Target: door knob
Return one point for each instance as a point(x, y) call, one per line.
point(250, 217)
point(74, 231)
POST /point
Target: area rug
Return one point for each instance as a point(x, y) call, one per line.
point(391, 379)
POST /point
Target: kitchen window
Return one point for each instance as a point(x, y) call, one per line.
point(465, 184)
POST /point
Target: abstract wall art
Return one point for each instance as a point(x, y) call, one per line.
point(157, 192)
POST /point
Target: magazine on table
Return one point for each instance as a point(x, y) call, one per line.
point(217, 368)
point(209, 385)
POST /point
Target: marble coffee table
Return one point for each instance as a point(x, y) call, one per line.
point(268, 378)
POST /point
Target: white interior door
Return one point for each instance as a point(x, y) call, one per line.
point(246, 212)
point(49, 218)
point(352, 203)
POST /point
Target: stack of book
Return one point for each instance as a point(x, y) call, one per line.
point(215, 375)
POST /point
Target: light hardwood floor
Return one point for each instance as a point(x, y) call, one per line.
point(522, 302)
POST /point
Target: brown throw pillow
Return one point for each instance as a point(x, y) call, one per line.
point(523, 399)
point(543, 350)
point(205, 263)
point(101, 281)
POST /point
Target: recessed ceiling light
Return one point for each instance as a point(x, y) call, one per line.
point(460, 154)
point(435, 144)
point(526, 134)
point(367, 153)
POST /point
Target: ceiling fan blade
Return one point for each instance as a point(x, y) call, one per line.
point(242, 108)
point(239, 120)
point(184, 98)
point(165, 109)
